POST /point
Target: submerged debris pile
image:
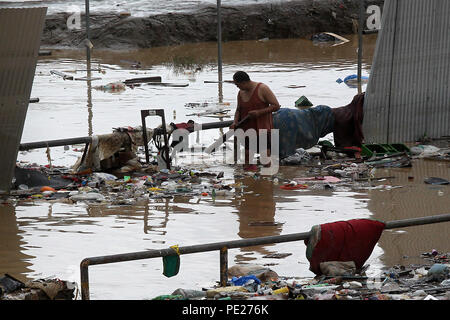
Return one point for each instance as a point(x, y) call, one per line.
point(40, 289)
point(101, 187)
point(148, 181)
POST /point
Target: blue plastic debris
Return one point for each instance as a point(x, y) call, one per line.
point(352, 79)
point(241, 281)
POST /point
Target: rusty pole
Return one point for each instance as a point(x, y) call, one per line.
point(223, 266)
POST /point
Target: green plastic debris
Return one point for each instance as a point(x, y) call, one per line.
point(303, 102)
point(172, 263)
point(370, 150)
point(325, 143)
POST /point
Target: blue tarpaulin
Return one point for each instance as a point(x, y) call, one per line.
point(302, 128)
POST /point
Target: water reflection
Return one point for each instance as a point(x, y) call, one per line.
point(152, 222)
point(89, 106)
point(413, 199)
point(12, 259)
point(256, 215)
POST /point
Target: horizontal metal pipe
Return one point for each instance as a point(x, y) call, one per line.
point(80, 140)
point(248, 242)
point(417, 221)
point(216, 125)
point(225, 245)
point(221, 246)
point(197, 248)
point(54, 143)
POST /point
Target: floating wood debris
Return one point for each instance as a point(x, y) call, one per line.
point(225, 81)
point(143, 80)
point(44, 53)
point(88, 78)
point(62, 75)
point(293, 86)
point(168, 84)
point(206, 113)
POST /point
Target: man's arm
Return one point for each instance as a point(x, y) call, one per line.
point(237, 115)
point(269, 97)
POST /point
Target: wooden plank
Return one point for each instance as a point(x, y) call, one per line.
point(62, 75)
point(168, 84)
point(143, 80)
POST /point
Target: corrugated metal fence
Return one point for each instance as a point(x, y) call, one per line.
point(20, 37)
point(408, 93)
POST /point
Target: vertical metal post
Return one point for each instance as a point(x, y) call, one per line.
point(223, 266)
point(219, 49)
point(88, 69)
point(219, 39)
point(235, 150)
point(88, 36)
point(166, 139)
point(360, 44)
point(84, 277)
point(89, 102)
point(144, 113)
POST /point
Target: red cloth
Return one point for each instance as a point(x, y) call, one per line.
point(183, 125)
point(351, 240)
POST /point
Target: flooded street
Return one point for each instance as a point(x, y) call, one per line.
point(43, 239)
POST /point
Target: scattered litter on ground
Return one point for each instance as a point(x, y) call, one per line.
point(40, 289)
point(430, 281)
point(94, 178)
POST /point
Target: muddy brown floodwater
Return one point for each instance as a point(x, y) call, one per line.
point(43, 239)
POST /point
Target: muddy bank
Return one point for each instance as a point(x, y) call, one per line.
point(295, 19)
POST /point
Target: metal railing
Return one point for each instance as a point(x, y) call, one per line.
point(223, 248)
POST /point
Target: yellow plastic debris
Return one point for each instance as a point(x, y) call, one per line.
point(284, 290)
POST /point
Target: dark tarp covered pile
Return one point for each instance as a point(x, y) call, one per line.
point(303, 128)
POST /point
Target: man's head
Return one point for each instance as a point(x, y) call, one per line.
point(241, 79)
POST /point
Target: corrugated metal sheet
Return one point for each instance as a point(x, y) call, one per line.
point(20, 36)
point(408, 92)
